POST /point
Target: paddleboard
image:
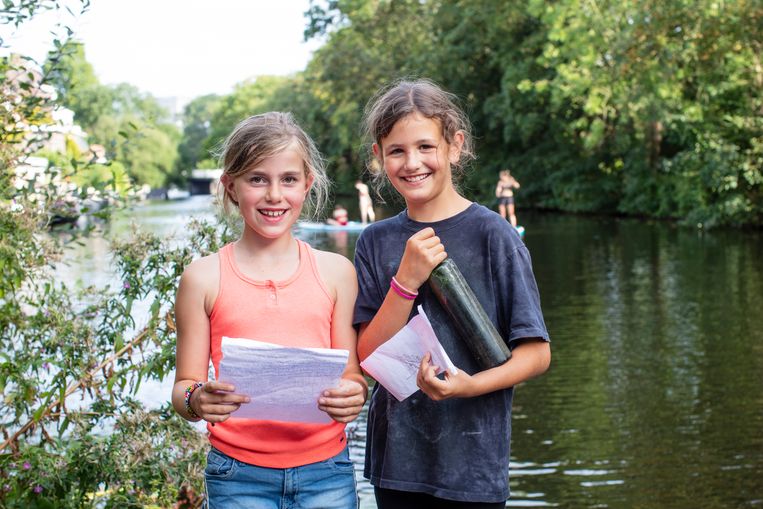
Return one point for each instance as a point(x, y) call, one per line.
point(351, 226)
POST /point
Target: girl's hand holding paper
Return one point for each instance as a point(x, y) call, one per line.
point(453, 385)
point(395, 364)
point(344, 402)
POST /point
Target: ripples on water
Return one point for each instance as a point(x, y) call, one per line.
point(655, 394)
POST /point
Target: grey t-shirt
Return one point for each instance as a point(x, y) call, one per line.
point(456, 449)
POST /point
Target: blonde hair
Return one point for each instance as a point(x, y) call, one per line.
point(262, 136)
point(402, 98)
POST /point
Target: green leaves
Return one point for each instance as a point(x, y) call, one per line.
point(70, 361)
point(588, 102)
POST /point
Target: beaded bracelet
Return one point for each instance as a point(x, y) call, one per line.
point(401, 290)
point(188, 391)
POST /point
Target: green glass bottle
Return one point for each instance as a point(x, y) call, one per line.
point(469, 318)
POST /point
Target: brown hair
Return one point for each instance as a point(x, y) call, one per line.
point(402, 98)
point(262, 136)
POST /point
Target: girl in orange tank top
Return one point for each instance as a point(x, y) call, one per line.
point(271, 287)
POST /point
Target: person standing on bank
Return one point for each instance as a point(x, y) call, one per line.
point(364, 202)
point(446, 446)
point(271, 287)
point(504, 191)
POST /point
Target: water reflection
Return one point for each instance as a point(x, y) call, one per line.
point(655, 395)
point(658, 367)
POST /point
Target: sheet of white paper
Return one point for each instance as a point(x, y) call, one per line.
point(283, 383)
point(395, 363)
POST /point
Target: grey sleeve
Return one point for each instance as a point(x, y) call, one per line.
point(520, 314)
point(370, 296)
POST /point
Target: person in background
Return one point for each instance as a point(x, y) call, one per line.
point(364, 201)
point(339, 217)
point(272, 287)
point(504, 191)
point(448, 445)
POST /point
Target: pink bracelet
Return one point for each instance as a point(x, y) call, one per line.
point(400, 293)
point(401, 290)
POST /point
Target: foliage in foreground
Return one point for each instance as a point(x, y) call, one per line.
point(72, 364)
point(72, 360)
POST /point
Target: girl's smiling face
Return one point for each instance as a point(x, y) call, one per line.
point(417, 158)
point(270, 195)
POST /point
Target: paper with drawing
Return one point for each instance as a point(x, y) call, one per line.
point(283, 383)
point(396, 363)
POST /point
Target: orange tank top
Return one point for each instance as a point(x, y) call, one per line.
point(296, 313)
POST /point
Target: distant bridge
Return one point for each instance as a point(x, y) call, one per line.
point(204, 181)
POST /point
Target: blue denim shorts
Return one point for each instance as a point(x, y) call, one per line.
point(328, 484)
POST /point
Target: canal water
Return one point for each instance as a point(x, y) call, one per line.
point(655, 394)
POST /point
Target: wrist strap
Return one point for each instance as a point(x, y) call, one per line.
point(401, 290)
point(188, 391)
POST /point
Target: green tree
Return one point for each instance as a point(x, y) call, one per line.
point(197, 123)
point(130, 124)
point(148, 151)
point(367, 45)
point(77, 86)
point(650, 91)
point(248, 98)
point(629, 107)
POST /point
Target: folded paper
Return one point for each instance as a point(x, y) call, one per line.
point(396, 362)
